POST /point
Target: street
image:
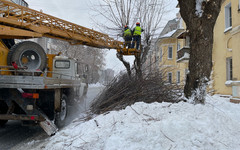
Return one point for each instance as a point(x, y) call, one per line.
point(13, 135)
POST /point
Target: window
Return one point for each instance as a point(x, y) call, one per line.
point(239, 5)
point(178, 46)
point(170, 77)
point(170, 52)
point(228, 16)
point(186, 73)
point(178, 77)
point(62, 64)
point(187, 41)
point(229, 69)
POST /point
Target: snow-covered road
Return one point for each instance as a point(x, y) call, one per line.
point(13, 135)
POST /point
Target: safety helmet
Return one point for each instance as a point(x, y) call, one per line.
point(125, 26)
point(137, 23)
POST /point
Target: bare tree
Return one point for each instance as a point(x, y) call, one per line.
point(127, 12)
point(200, 17)
point(90, 56)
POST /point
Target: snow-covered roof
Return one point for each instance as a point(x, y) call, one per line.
point(169, 34)
point(186, 56)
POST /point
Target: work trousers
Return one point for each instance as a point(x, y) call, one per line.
point(136, 40)
point(128, 40)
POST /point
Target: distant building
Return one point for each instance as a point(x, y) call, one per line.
point(172, 25)
point(152, 58)
point(165, 54)
point(225, 53)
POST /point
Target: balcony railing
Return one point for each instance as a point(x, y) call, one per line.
point(183, 54)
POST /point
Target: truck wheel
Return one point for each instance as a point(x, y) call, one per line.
point(3, 110)
point(28, 54)
point(62, 115)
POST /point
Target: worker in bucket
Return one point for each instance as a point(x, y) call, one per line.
point(127, 36)
point(137, 31)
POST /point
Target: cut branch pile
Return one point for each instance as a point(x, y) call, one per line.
point(123, 92)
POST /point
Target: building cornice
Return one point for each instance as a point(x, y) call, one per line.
point(235, 30)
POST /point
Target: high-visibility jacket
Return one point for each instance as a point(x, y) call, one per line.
point(137, 30)
point(127, 33)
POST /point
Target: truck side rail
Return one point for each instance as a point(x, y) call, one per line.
point(38, 82)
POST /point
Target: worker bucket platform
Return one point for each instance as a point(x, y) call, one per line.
point(128, 51)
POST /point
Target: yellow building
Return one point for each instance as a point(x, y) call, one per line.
point(226, 50)
point(168, 45)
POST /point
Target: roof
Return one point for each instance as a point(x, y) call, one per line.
point(173, 33)
point(169, 34)
point(170, 26)
point(182, 35)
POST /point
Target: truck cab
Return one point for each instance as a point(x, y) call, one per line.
point(64, 67)
point(67, 68)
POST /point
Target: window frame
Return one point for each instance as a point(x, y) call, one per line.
point(178, 77)
point(229, 69)
point(238, 5)
point(187, 41)
point(55, 64)
point(228, 16)
point(178, 46)
point(171, 52)
point(186, 73)
point(169, 79)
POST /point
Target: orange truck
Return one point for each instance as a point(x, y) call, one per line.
point(36, 87)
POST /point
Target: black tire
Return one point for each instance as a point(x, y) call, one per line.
point(32, 53)
point(3, 110)
point(61, 116)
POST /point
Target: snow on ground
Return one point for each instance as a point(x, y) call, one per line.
point(156, 126)
point(96, 85)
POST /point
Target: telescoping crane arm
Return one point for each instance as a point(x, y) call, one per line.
point(19, 22)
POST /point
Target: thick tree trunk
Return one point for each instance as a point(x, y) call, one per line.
point(138, 67)
point(200, 27)
point(126, 64)
point(200, 62)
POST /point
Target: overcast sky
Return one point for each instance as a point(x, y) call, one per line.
point(78, 11)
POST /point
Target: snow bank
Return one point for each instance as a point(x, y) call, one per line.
point(96, 85)
point(215, 125)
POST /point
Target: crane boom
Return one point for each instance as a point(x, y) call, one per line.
point(21, 22)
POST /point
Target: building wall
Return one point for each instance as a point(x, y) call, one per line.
point(170, 65)
point(226, 45)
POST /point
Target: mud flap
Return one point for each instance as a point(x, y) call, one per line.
point(48, 126)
